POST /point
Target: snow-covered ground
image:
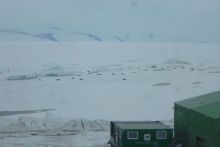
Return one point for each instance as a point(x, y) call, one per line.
point(66, 93)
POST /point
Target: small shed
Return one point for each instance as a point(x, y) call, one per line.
point(197, 121)
point(140, 134)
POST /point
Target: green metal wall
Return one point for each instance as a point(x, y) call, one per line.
point(190, 126)
point(140, 142)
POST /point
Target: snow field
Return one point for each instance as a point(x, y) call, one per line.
point(80, 108)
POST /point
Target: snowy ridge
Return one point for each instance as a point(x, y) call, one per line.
point(50, 122)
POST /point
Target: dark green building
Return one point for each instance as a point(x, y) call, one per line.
point(197, 121)
point(140, 134)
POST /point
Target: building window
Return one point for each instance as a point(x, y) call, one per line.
point(132, 135)
point(146, 137)
point(161, 135)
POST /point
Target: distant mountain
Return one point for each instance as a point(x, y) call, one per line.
point(172, 21)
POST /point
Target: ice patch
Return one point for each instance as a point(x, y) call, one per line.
point(162, 69)
point(176, 61)
point(214, 72)
point(162, 84)
point(40, 75)
point(197, 82)
point(98, 69)
point(46, 70)
point(23, 77)
point(53, 70)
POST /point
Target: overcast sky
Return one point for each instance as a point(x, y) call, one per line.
point(195, 20)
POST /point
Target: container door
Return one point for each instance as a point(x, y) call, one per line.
point(116, 136)
point(200, 142)
point(119, 137)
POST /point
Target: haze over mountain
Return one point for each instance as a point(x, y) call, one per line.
point(101, 20)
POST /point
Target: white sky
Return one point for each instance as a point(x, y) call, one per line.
point(169, 20)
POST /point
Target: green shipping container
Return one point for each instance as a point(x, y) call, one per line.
point(140, 134)
point(197, 121)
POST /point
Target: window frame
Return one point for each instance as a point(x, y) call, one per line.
point(159, 137)
point(132, 132)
